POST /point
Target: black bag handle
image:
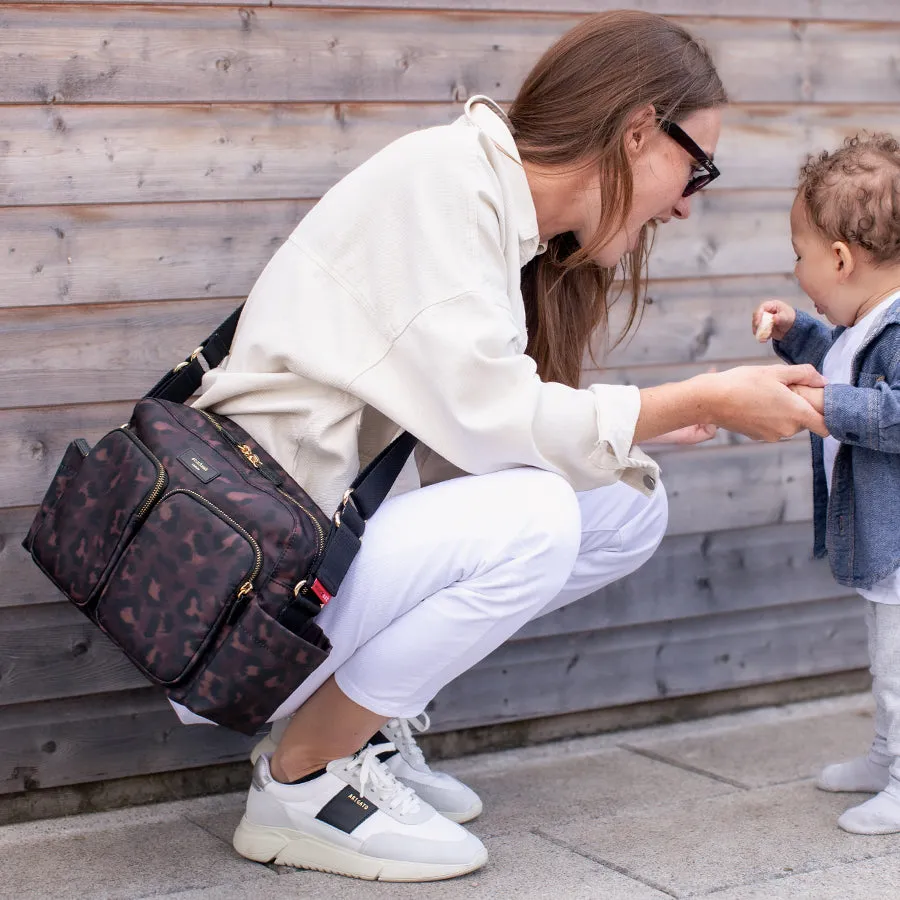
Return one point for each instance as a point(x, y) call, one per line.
point(359, 502)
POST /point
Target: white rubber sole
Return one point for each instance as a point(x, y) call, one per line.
point(286, 847)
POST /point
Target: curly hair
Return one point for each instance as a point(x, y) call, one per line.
point(853, 194)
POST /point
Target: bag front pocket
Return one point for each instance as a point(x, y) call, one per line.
point(94, 512)
point(176, 583)
point(257, 667)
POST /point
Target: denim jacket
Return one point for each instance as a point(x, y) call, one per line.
point(858, 527)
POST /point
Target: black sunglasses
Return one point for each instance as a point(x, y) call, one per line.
point(707, 168)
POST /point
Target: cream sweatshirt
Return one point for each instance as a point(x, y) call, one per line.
point(396, 304)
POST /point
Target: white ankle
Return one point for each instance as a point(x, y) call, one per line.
point(860, 774)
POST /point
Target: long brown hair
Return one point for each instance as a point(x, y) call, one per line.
point(574, 109)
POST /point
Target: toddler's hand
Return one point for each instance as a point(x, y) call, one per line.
point(693, 434)
point(774, 319)
point(815, 397)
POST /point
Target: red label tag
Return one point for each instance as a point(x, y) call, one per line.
point(319, 590)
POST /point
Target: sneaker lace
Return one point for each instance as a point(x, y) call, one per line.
point(405, 741)
point(377, 782)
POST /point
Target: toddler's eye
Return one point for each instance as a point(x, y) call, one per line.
point(796, 258)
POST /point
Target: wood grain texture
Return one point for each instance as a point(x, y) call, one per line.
point(82, 54)
point(131, 153)
point(720, 487)
point(138, 252)
point(816, 10)
point(51, 651)
point(54, 355)
point(698, 575)
point(611, 667)
point(105, 352)
point(128, 154)
point(111, 254)
point(104, 736)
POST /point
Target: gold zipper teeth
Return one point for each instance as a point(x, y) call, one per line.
point(312, 518)
point(257, 565)
point(157, 487)
point(247, 452)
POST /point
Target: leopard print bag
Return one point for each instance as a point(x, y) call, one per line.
point(197, 554)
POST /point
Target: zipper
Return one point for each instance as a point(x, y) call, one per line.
point(161, 477)
point(320, 534)
point(247, 452)
point(243, 592)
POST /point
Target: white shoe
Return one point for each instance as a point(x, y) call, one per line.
point(355, 819)
point(451, 798)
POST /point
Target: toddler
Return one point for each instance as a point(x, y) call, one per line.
point(845, 229)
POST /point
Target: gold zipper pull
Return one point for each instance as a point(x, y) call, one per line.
point(252, 458)
point(240, 603)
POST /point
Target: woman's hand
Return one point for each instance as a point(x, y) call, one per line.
point(767, 403)
point(692, 434)
point(783, 317)
point(815, 397)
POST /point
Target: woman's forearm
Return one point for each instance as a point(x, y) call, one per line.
point(669, 407)
point(754, 400)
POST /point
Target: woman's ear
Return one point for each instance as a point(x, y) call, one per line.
point(641, 126)
point(842, 259)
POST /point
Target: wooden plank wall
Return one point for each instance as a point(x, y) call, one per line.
point(152, 157)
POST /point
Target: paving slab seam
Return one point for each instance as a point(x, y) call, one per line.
point(782, 876)
point(687, 767)
point(620, 870)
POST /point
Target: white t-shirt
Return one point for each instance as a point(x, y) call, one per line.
point(837, 367)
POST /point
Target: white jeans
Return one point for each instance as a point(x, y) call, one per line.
point(883, 621)
point(447, 573)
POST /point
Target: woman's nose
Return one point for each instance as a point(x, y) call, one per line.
point(682, 209)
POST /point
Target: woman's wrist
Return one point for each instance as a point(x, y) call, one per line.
point(706, 397)
point(668, 407)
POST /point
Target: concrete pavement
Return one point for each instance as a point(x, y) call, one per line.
point(723, 807)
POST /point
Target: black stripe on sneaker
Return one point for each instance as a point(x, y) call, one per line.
point(380, 738)
point(346, 810)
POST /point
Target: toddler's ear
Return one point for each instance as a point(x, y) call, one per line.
point(843, 260)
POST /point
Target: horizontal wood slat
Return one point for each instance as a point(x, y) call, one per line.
point(698, 575)
point(720, 487)
point(105, 736)
point(106, 352)
point(125, 154)
point(859, 10)
point(52, 651)
point(112, 254)
point(83, 54)
point(611, 667)
point(87, 354)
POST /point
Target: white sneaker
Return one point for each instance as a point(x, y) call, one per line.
point(451, 798)
point(355, 819)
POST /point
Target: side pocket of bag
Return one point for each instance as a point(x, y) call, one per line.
point(95, 514)
point(255, 669)
point(68, 468)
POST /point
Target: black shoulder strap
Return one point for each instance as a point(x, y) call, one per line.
point(360, 501)
point(181, 382)
point(364, 496)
